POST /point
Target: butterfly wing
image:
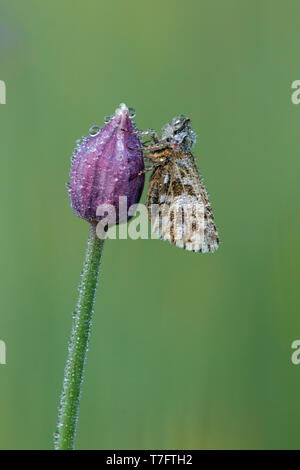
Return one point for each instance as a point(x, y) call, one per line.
point(178, 205)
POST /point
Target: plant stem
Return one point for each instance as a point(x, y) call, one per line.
point(78, 345)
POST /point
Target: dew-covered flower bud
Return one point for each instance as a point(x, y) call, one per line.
point(106, 166)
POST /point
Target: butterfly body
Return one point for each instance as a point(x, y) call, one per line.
point(177, 202)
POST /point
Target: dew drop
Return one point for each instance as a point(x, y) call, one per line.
point(131, 112)
point(80, 142)
point(94, 130)
point(56, 437)
point(107, 119)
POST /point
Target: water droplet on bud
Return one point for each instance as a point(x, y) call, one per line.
point(131, 113)
point(94, 130)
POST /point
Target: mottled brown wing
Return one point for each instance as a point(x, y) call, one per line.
point(178, 205)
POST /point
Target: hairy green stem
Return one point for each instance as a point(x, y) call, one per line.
point(78, 345)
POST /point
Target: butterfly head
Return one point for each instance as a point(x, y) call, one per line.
point(180, 133)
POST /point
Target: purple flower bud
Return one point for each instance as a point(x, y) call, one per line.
point(105, 166)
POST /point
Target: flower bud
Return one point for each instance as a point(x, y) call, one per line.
point(106, 166)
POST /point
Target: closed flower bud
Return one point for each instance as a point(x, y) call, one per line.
point(106, 167)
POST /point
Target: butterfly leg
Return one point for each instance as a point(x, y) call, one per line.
point(144, 144)
point(145, 170)
point(152, 133)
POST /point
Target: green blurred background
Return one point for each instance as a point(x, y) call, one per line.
point(187, 351)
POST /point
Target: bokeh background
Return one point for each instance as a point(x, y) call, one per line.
point(187, 351)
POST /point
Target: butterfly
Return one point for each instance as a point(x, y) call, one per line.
point(177, 202)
